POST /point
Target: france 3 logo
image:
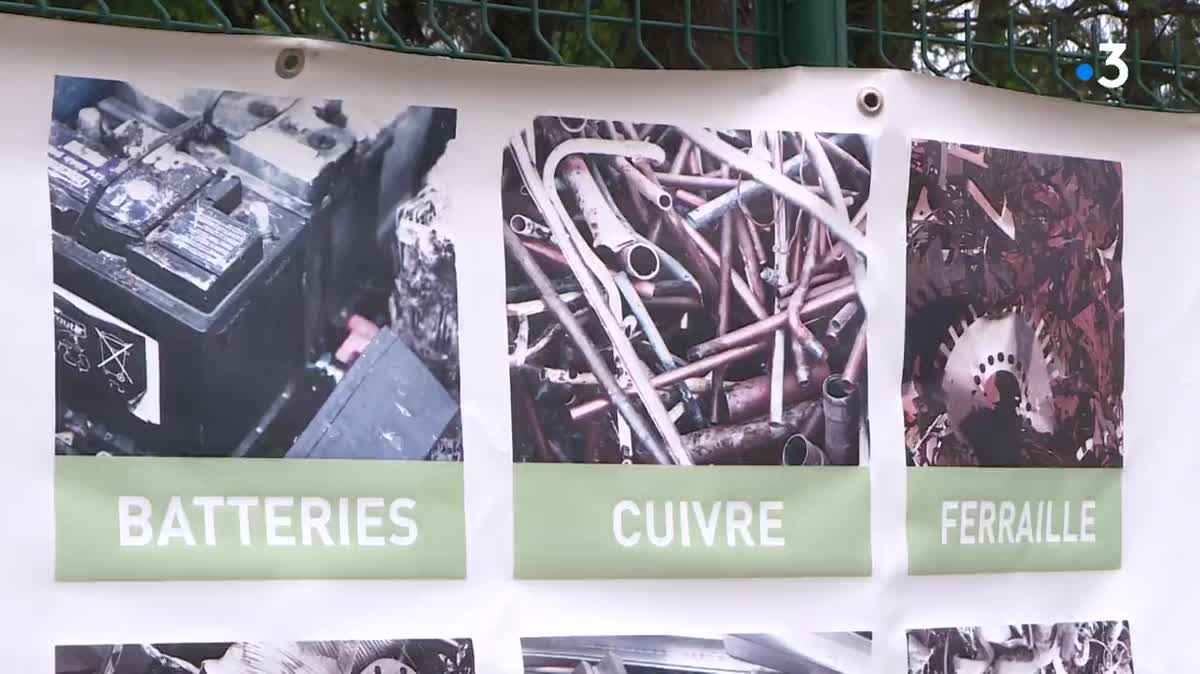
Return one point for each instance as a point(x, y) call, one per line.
point(1114, 50)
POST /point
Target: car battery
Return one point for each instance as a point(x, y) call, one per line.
point(179, 288)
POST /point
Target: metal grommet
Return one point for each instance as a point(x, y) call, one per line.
point(870, 101)
point(289, 63)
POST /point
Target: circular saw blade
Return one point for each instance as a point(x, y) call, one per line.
point(998, 365)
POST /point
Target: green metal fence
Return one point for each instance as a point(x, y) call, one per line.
point(1028, 45)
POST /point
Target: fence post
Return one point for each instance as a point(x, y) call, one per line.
point(813, 32)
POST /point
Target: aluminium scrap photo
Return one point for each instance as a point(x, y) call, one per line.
point(399, 656)
point(1014, 345)
point(685, 295)
point(1100, 647)
point(240, 275)
point(811, 653)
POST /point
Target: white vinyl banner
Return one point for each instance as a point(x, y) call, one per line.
point(385, 363)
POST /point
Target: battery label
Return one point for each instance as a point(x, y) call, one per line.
point(105, 359)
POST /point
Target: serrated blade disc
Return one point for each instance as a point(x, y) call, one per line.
point(998, 366)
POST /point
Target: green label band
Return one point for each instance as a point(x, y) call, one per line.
point(174, 519)
point(974, 520)
point(614, 521)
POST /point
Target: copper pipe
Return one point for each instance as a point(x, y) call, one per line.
point(749, 256)
point(818, 280)
point(803, 339)
point(739, 286)
point(685, 147)
point(756, 332)
point(645, 186)
point(842, 281)
point(593, 441)
point(681, 373)
point(528, 411)
point(752, 397)
point(714, 445)
point(689, 198)
point(704, 182)
point(726, 285)
point(663, 288)
point(595, 360)
point(673, 303)
point(857, 360)
point(547, 252)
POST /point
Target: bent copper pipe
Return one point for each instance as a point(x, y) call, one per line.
point(713, 445)
point(681, 373)
point(756, 332)
point(582, 258)
point(578, 335)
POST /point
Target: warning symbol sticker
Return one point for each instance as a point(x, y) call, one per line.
point(114, 352)
point(103, 361)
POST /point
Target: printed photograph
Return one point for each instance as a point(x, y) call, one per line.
point(239, 275)
point(1014, 351)
point(817, 653)
point(1063, 648)
point(684, 295)
point(412, 656)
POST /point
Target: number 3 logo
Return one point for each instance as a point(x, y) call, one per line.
point(1114, 51)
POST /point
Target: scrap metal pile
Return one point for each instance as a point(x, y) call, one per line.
point(830, 653)
point(681, 295)
point(1015, 330)
point(425, 656)
point(1064, 648)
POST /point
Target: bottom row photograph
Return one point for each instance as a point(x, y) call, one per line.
point(1072, 648)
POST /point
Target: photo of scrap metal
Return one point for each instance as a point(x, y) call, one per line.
point(1014, 340)
point(683, 295)
point(1064, 648)
point(401, 656)
point(239, 275)
point(817, 653)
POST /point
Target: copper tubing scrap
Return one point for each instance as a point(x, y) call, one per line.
point(752, 398)
point(528, 413)
point(817, 292)
point(689, 182)
point(840, 405)
point(818, 279)
point(749, 251)
point(761, 330)
point(648, 188)
point(723, 309)
point(840, 320)
point(689, 198)
point(681, 373)
point(595, 360)
point(713, 445)
point(857, 360)
point(546, 252)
